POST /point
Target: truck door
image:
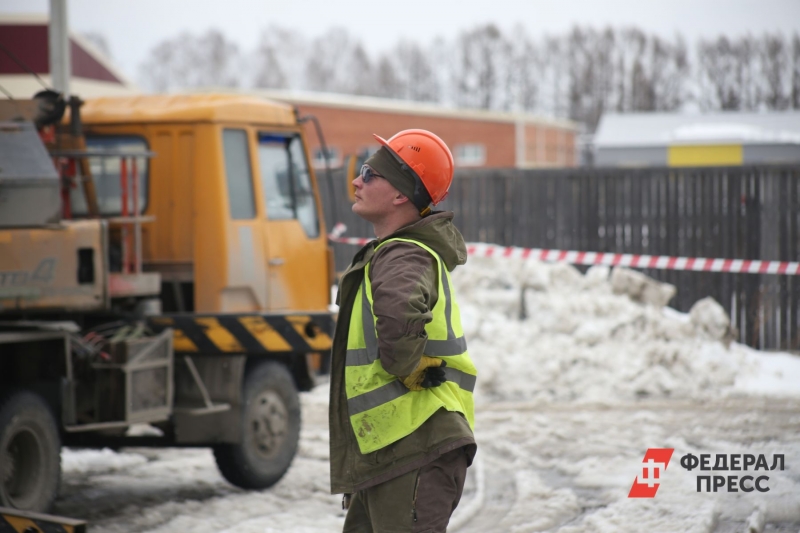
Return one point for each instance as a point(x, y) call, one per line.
point(245, 289)
point(295, 244)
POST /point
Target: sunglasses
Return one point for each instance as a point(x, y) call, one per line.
point(367, 174)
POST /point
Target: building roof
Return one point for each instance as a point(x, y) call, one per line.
point(26, 36)
point(665, 129)
point(406, 107)
point(187, 108)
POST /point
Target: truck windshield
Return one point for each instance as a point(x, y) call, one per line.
point(106, 176)
point(286, 181)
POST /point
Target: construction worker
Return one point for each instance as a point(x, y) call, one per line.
point(401, 407)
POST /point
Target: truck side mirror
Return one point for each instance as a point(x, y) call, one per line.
point(350, 176)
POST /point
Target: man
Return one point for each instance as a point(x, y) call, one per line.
point(401, 408)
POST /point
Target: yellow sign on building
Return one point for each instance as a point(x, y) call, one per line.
point(705, 155)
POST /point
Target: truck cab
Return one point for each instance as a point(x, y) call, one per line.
point(236, 224)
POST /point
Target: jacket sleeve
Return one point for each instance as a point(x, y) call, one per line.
point(404, 290)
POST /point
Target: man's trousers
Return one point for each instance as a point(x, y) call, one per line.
point(420, 501)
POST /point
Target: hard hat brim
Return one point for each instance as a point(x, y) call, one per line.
point(381, 140)
point(399, 159)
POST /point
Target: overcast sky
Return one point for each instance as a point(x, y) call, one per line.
point(133, 27)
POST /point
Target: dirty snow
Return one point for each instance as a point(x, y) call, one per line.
point(577, 380)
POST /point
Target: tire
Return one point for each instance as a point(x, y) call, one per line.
point(30, 453)
point(270, 429)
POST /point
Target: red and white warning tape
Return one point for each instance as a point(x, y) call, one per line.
point(659, 262)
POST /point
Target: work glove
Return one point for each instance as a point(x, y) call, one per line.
point(429, 373)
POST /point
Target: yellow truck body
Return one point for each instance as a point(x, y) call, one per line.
point(171, 268)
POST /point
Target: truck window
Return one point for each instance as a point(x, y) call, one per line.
point(238, 174)
point(106, 176)
point(286, 181)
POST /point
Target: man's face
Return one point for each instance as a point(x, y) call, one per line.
point(374, 199)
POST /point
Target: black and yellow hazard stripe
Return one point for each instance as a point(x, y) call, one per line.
point(13, 521)
point(247, 333)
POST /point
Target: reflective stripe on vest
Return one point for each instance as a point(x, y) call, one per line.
point(382, 410)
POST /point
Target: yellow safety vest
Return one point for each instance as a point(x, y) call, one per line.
point(382, 410)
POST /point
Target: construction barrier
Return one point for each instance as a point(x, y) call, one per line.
point(658, 262)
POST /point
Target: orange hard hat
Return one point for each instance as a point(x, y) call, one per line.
point(427, 158)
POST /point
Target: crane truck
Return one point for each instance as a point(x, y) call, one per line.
point(163, 264)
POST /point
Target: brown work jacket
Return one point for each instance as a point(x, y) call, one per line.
point(404, 282)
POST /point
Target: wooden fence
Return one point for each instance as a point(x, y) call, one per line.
point(731, 212)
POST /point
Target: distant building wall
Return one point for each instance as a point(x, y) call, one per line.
point(776, 153)
point(477, 138)
point(704, 155)
point(631, 157)
point(349, 131)
point(549, 147)
point(729, 138)
point(698, 155)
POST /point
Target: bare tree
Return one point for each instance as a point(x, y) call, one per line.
point(733, 72)
point(192, 61)
point(270, 72)
point(747, 76)
point(796, 71)
point(361, 72)
point(581, 74)
point(415, 73)
point(629, 71)
point(641, 94)
point(440, 55)
point(388, 84)
point(482, 70)
point(279, 58)
point(338, 63)
point(775, 71)
point(720, 74)
point(669, 73)
point(590, 74)
point(556, 78)
point(527, 71)
point(746, 73)
point(606, 42)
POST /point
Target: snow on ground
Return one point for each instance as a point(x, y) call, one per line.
point(180, 490)
point(769, 373)
point(568, 400)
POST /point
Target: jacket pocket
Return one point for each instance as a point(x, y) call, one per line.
point(381, 457)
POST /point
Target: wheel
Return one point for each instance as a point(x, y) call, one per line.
point(270, 429)
point(30, 453)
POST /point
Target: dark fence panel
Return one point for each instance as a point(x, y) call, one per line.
point(730, 212)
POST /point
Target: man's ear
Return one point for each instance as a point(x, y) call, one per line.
point(400, 199)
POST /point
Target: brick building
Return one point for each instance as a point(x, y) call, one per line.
point(477, 138)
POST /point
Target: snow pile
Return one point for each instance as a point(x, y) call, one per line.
point(545, 332)
point(96, 461)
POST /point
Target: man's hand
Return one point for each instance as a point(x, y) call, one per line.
point(429, 373)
